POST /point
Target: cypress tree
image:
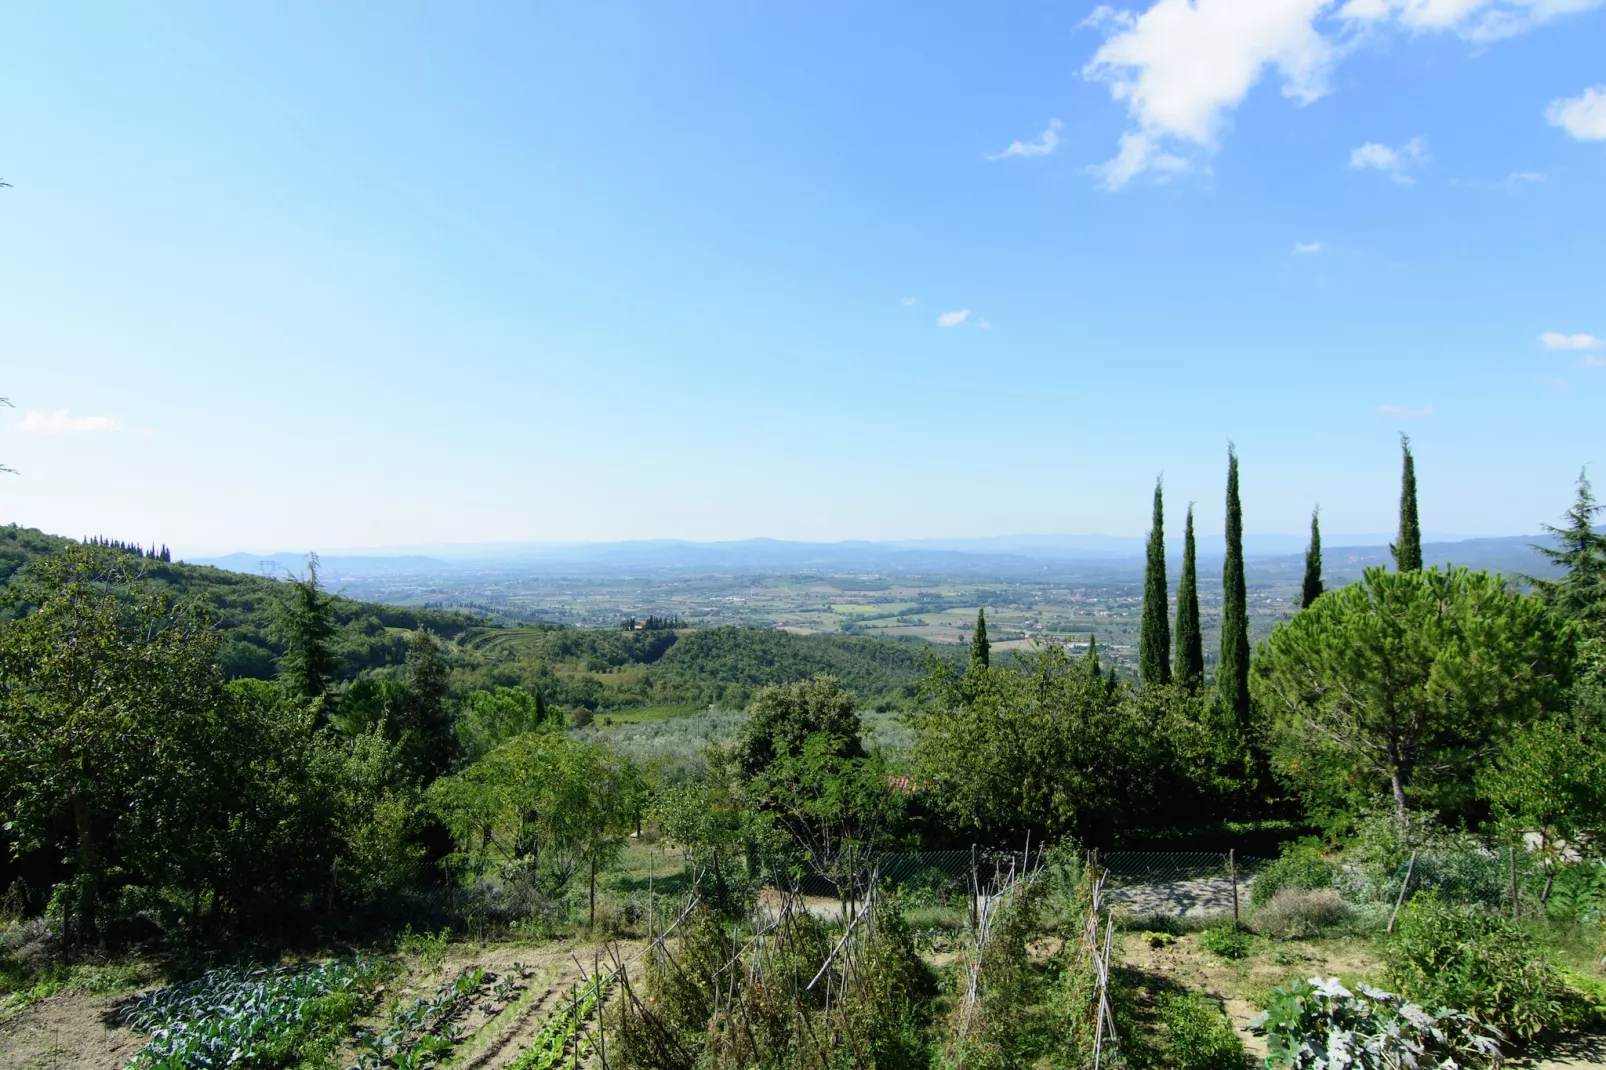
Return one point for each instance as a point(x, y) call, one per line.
point(1154, 629)
point(1093, 657)
point(1312, 587)
point(1189, 669)
point(1232, 675)
point(1407, 550)
point(980, 649)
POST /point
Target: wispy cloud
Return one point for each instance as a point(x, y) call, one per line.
point(59, 422)
point(1518, 179)
point(1043, 145)
point(984, 325)
point(953, 319)
point(1593, 362)
point(1553, 381)
point(1181, 67)
point(1392, 162)
point(1557, 340)
point(1307, 248)
point(909, 301)
point(1405, 411)
point(1583, 116)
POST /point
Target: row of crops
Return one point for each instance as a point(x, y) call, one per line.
point(563, 1027)
point(240, 1016)
point(263, 1018)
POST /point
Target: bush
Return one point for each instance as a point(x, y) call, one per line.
point(1294, 913)
point(1486, 965)
point(1198, 1034)
point(1228, 941)
point(1301, 867)
point(1318, 1024)
point(1473, 877)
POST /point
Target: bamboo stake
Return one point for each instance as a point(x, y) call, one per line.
point(1403, 886)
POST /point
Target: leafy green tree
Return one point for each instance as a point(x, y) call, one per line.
point(782, 717)
point(1549, 778)
point(108, 701)
point(304, 624)
point(424, 719)
point(716, 822)
point(1407, 548)
point(1580, 592)
point(1189, 668)
point(1048, 747)
point(487, 719)
point(1395, 685)
point(980, 649)
point(1154, 629)
point(1232, 671)
point(1311, 588)
point(541, 806)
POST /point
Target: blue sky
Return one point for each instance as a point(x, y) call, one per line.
point(312, 275)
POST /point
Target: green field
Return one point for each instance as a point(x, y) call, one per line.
point(645, 714)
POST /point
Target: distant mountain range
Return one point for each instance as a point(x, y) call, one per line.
point(1086, 557)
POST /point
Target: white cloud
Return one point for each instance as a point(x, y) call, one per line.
point(1138, 153)
point(1042, 146)
point(1522, 178)
point(1557, 340)
point(60, 423)
point(1392, 162)
point(1307, 248)
point(953, 319)
point(1583, 116)
point(908, 301)
point(1404, 411)
point(1181, 66)
point(1475, 20)
point(1593, 362)
point(984, 325)
point(1554, 382)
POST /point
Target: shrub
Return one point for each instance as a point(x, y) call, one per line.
point(1228, 941)
point(1486, 965)
point(1294, 913)
point(1198, 1034)
point(1470, 876)
point(1301, 867)
point(1320, 1024)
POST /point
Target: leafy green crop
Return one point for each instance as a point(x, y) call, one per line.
point(242, 1016)
point(546, 1051)
point(1319, 1023)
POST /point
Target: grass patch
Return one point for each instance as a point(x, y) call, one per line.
point(22, 986)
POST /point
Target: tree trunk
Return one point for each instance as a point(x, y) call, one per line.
point(1399, 792)
point(88, 870)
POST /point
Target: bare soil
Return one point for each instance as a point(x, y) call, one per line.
point(70, 1029)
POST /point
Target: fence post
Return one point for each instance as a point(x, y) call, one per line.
point(1232, 871)
point(975, 885)
point(1514, 912)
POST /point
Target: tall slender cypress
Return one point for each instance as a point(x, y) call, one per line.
point(1232, 674)
point(1408, 549)
point(980, 649)
point(1312, 587)
point(1189, 668)
point(1154, 629)
point(1093, 669)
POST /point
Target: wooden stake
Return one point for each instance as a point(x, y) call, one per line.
point(1403, 886)
point(1232, 870)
